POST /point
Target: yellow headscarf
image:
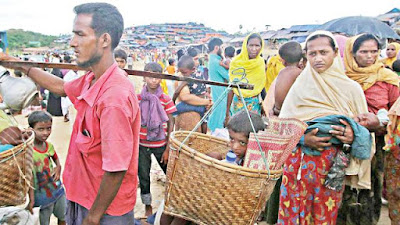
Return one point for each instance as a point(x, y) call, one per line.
point(254, 68)
point(274, 66)
point(389, 61)
point(316, 95)
point(366, 76)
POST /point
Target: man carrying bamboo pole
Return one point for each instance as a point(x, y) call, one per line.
point(100, 175)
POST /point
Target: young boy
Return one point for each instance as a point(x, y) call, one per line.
point(229, 54)
point(191, 95)
point(49, 192)
point(239, 128)
point(121, 58)
point(156, 110)
point(290, 54)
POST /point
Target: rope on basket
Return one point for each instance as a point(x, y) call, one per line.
point(236, 83)
point(21, 173)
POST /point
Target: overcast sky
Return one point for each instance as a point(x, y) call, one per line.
point(56, 16)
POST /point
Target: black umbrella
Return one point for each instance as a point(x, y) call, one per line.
point(354, 25)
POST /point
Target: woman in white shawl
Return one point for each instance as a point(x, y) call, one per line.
point(321, 90)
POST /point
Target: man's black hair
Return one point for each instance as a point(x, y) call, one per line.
point(105, 19)
point(214, 42)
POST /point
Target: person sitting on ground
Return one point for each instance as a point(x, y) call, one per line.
point(229, 54)
point(156, 110)
point(190, 95)
point(291, 54)
point(120, 57)
point(239, 128)
point(48, 192)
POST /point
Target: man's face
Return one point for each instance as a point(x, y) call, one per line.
point(219, 51)
point(86, 45)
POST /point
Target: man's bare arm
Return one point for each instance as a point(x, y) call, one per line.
point(46, 80)
point(110, 184)
point(192, 99)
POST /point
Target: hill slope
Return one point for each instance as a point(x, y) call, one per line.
point(18, 39)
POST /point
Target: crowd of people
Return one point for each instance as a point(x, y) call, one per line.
point(341, 171)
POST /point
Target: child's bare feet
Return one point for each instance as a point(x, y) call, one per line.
point(148, 210)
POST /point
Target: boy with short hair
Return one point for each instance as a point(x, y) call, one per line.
point(239, 128)
point(120, 57)
point(291, 54)
point(157, 123)
point(192, 96)
point(229, 54)
point(49, 192)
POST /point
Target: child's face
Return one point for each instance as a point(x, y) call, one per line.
point(186, 72)
point(121, 62)
point(42, 130)
point(152, 83)
point(238, 143)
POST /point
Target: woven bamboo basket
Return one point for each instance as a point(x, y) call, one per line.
point(204, 190)
point(16, 173)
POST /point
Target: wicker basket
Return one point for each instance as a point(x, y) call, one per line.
point(16, 173)
point(208, 191)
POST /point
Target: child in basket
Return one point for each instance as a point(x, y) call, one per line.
point(156, 110)
point(239, 128)
point(49, 192)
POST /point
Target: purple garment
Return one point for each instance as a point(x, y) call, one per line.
point(153, 114)
point(76, 213)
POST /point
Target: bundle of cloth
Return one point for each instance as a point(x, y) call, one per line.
point(10, 134)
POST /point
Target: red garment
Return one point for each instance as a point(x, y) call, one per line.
point(105, 137)
point(308, 201)
point(381, 95)
point(169, 108)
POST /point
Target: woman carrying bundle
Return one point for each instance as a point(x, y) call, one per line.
point(324, 97)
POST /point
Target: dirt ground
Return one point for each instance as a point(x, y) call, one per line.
point(60, 137)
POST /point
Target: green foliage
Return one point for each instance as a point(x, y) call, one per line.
point(18, 39)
